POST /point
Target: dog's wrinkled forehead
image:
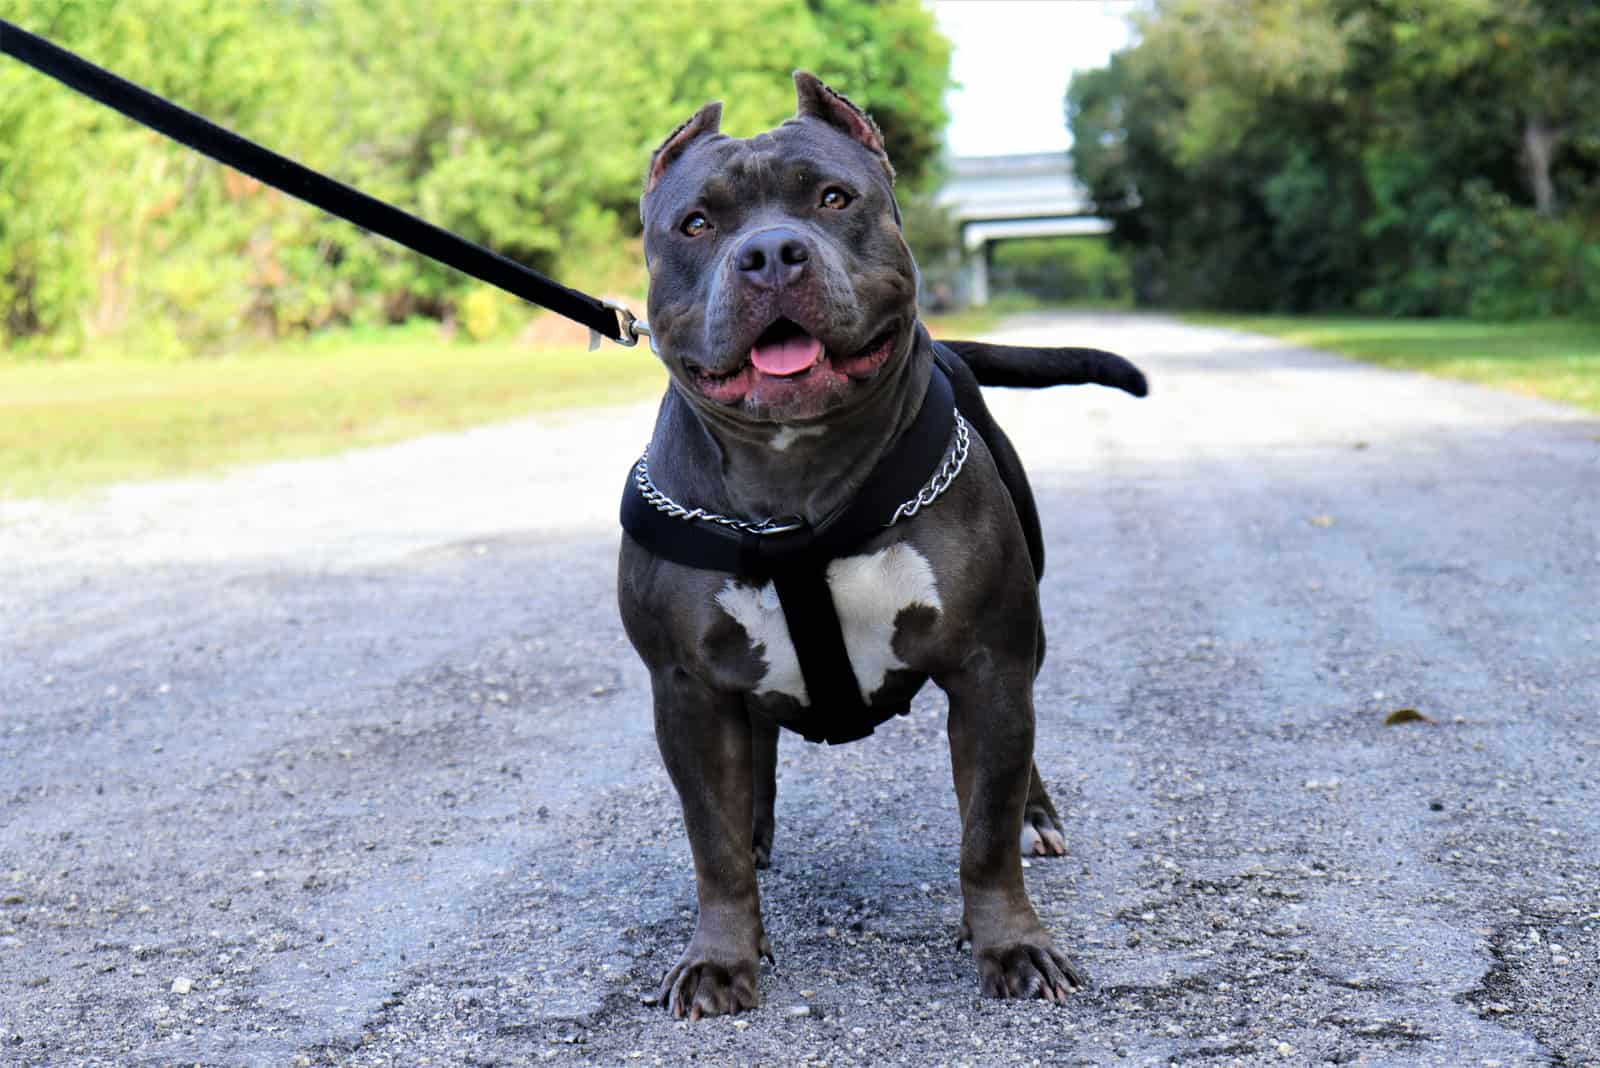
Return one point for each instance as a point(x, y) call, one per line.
point(828, 138)
point(795, 156)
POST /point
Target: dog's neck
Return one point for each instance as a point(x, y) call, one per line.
point(757, 472)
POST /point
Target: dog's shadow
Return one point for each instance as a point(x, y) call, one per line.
point(863, 882)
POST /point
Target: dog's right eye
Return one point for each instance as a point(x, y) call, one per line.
point(836, 198)
point(695, 225)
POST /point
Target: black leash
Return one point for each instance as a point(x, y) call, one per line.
point(335, 198)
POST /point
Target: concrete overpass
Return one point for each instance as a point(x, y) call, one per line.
point(994, 198)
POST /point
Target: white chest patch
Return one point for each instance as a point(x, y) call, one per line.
point(869, 592)
point(788, 435)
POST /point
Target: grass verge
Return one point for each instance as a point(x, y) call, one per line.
point(68, 426)
point(1557, 359)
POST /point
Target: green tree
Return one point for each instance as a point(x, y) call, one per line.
point(525, 126)
point(1334, 153)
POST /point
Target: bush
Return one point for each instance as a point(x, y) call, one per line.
point(1521, 264)
point(1481, 255)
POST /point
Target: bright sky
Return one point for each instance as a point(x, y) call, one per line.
point(1013, 59)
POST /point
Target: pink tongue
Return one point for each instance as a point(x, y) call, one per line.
point(787, 357)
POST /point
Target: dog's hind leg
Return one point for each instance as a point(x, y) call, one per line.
point(764, 751)
point(1042, 833)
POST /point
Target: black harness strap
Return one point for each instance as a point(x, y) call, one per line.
point(839, 712)
point(796, 563)
point(335, 198)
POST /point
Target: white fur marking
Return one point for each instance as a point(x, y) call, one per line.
point(869, 593)
point(758, 612)
point(788, 435)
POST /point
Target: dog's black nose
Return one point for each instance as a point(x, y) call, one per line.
point(773, 258)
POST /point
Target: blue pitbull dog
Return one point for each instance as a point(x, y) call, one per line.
point(826, 518)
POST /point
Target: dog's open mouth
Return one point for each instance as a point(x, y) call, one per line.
point(784, 349)
point(786, 352)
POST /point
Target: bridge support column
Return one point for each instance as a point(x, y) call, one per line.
point(978, 275)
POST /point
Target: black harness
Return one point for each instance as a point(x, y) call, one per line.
point(795, 560)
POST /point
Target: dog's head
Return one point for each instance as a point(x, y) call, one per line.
point(780, 287)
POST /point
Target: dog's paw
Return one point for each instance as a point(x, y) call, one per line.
point(1024, 970)
point(705, 988)
point(1042, 833)
point(761, 854)
point(704, 983)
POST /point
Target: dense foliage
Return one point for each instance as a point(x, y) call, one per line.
point(525, 126)
point(1390, 156)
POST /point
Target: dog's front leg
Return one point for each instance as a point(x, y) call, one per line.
point(991, 756)
point(705, 742)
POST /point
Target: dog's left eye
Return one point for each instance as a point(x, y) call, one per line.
point(835, 198)
point(695, 225)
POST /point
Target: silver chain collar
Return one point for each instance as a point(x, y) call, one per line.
point(955, 459)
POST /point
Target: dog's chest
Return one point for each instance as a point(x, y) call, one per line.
point(870, 593)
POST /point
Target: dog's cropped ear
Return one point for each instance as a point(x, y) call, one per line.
point(817, 101)
point(707, 120)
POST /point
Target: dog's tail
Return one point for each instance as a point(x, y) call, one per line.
point(1034, 368)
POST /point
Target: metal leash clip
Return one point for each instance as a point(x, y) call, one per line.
point(630, 328)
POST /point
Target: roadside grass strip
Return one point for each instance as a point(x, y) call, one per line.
point(1557, 359)
point(66, 426)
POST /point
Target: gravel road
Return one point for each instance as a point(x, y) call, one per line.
point(347, 761)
